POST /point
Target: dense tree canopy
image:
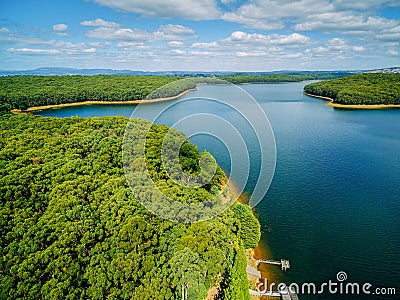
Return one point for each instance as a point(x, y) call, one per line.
point(369, 88)
point(27, 91)
point(70, 227)
point(249, 227)
point(280, 78)
point(22, 92)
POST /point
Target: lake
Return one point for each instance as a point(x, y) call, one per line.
point(334, 201)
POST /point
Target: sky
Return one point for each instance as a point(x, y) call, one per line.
point(200, 35)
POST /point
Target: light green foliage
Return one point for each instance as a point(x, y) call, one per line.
point(370, 88)
point(249, 227)
point(187, 271)
point(70, 227)
point(237, 289)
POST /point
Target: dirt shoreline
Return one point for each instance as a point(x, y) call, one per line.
point(56, 106)
point(260, 251)
point(354, 106)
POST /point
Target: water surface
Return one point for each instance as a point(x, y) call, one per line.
point(334, 202)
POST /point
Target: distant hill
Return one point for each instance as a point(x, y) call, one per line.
point(90, 72)
point(45, 71)
point(72, 71)
point(392, 70)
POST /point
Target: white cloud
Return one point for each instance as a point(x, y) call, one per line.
point(335, 49)
point(273, 39)
point(58, 47)
point(364, 4)
point(250, 54)
point(244, 45)
point(175, 44)
point(173, 32)
point(392, 52)
point(60, 27)
point(228, 1)
point(73, 48)
point(270, 14)
point(168, 32)
point(253, 22)
point(122, 34)
point(33, 51)
point(345, 22)
point(190, 54)
point(128, 46)
point(358, 48)
point(4, 29)
point(100, 23)
point(390, 35)
point(179, 52)
point(205, 45)
point(187, 9)
point(294, 38)
point(100, 44)
point(337, 44)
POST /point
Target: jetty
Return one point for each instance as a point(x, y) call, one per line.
point(253, 272)
point(284, 263)
point(283, 295)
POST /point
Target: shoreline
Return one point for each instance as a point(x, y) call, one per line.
point(353, 106)
point(261, 250)
point(94, 102)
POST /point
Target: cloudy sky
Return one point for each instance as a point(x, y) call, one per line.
point(202, 35)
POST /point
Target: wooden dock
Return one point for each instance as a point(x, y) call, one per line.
point(288, 295)
point(259, 294)
point(283, 296)
point(284, 263)
point(253, 272)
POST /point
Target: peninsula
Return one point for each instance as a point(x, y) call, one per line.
point(362, 91)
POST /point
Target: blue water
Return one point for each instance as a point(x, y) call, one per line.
point(334, 201)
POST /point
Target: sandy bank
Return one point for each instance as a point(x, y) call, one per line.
point(56, 106)
point(354, 106)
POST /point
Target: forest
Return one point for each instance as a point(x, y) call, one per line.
point(70, 227)
point(22, 92)
point(367, 88)
point(280, 78)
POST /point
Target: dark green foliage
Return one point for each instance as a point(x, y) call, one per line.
point(70, 227)
point(249, 227)
point(279, 78)
point(189, 162)
point(369, 88)
point(4, 108)
point(27, 91)
point(22, 92)
point(236, 285)
point(172, 89)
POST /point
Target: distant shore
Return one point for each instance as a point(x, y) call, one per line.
point(354, 106)
point(56, 106)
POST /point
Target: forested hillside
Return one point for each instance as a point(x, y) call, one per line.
point(22, 92)
point(70, 227)
point(369, 88)
point(27, 91)
point(280, 78)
